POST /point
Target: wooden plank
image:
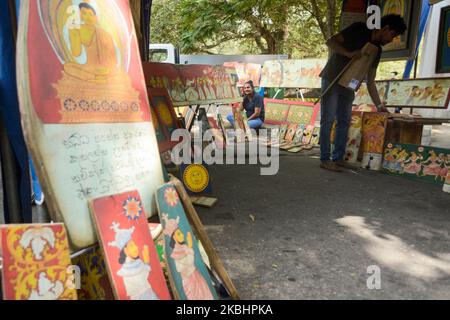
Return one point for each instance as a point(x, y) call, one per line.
point(191, 213)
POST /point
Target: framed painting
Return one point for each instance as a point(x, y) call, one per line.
point(130, 254)
point(443, 53)
point(372, 140)
point(36, 262)
point(292, 73)
point(246, 72)
point(276, 111)
point(403, 47)
point(194, 220)
point(166, 118)
point(292, 128)
point(188, 274)
point(84, 108)
point(432, 93)
point(418, 162)
point(94, 280)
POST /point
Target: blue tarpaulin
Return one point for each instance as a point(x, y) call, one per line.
point(9, 112)
point(422, 24)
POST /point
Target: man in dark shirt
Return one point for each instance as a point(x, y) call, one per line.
point(253, 104)
point(337, 103)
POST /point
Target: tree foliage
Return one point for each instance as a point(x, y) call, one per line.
point(295, 27)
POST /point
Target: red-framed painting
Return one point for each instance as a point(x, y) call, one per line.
point(286, 112)
point(130, 253)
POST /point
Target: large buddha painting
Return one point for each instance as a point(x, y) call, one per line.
point(84, 107)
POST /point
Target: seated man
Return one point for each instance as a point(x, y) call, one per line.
point(253, 104)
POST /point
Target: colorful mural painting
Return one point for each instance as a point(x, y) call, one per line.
point(354, 137)
point(36, 263)
point(423, 93)
point(187, 272)
point(246, 72)
point(292, 73)
point(287, 111)
point(130, 254)
point(372, 143)
point(94, 281)
point(192, 84)
point(418, 162)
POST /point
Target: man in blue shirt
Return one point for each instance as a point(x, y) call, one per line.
point(253, 104)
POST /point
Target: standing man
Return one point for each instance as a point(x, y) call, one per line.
point(253, 104)
point(337, 103)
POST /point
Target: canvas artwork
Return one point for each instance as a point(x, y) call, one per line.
point(131, 258)
point(404, 9)
point(189, 117)
point(446, 187)
point(282, 132)
point(276, 112)
point(292, 128)
point(196, 178)
point(301, 114)
point(354, 137)
point(443, 53)
point(222, 128)
point(192, 84)
point(166, 121)
point(282, 111)
point(307, 134)
point(402, 47)
point(94, 280)
point(362, 96)
point(239, 125)
point(292, 73)
point(217, 133)
point(187, 272)
point(246, 72)
point(315, 136)
point(372, 142)
point(36, 263)
point(298, 137)
point(84, 107)
point(418, 162)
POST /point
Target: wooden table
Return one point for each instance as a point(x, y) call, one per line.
point(403, 128)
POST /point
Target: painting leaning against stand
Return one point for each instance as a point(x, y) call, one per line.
point(84, 108)
point(188, 275)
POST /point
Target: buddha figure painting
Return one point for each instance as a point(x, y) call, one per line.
point(83, 62)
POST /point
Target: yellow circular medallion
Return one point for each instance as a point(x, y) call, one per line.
point(196, 178)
